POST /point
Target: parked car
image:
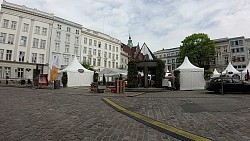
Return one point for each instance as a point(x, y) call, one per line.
point(230, 84)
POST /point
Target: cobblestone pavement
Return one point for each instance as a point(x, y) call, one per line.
point(77, 114)
point(218, 117)
point(66, 114)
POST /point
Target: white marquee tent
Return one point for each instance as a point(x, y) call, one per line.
point(78, 75)
point(244, 72)
point(216, 73)
point(191, 77)
point(230, 70)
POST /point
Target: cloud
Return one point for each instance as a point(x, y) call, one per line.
point(158, 23)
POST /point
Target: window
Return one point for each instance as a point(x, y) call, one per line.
point(173, 60)
point(67, 38)
point(43, 44)
point(106, 46)
point(105, 54)
point(237, 50)
point(113, 56)
point(58, 34)
point(23, 41)
point(11, 39)
point(95, 43)
point(76, 50)
point(94, 62)
point(35, 42)
point(109, 47)
point(90, 42)
point(225, 49)
point(94, 51)
point(98, 62)
point(113, 64)
point(34, 57)
point(84, 59)
point(37, 29)
point(57, 47)
point(226, 60)
point(66, 60)
point(41, 58)
point(1, 54)
point(90, 51)
point(233, 51)
point(242, 49)
point(116, 57)
point(109, 64)
point(21, 56)
point(20, 72)
point(68, 29)
point(67, 48)
point(113, 49)
point(90, 60)
point(116, 49)
point(172, 54)
point(25, 27)
point(77, 40)
point(168, 61)
point(85, 40)
point(77, 32)
point(3, 37)
point(241, 42)
point(8, 54)
point(116, 65)
point(105, 63)
point(99, 53)
point(13, 25)
point(85, 50)
point(99, 44)
point(59, 26)
point(109, 55)
point(159, 56)
point(5, 23)
point(1, 71)
point(44, 31)
point(7, 72)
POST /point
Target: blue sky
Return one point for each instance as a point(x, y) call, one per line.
point(158, 23)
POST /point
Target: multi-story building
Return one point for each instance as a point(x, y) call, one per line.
point(169, 56)
point(124, 59)
point(100, 50)
point(235, 50)
point(24, 40)
point(65, 41)
point(30, 39)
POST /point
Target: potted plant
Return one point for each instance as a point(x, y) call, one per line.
point(65, 79)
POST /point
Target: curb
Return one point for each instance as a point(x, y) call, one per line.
point(172, 131)
point(137, 94)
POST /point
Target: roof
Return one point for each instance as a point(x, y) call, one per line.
point(74, 66)
point(187, 65)
point(230, 68)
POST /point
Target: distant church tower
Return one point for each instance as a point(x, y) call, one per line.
point(130, 43)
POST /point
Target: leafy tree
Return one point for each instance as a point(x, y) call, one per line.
point(132, 74)
point(199, 49)
point(159, 73)
point(87, 66)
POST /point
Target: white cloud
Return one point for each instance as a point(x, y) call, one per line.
point(158, 23)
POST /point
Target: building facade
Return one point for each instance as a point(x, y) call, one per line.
point(24, 40)
point(100, 50)
point(30, 39)
point(235, 50)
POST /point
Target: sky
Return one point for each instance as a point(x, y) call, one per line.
point(158, 23)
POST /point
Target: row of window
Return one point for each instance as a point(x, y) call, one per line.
point(3, 37)
point(237, 50)
point(9, 24)
point(114, 49)
point(68, 29)
point(66, 49)
point(105, 54)
point(169, 54)
point(236, 43)
point(97, 62)
point(22, 56)
point(6, 71)
point(67, 40)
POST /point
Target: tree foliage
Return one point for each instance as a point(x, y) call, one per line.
point(87, 66)
point(199, 49)
point(132, 74)
point(160, 73)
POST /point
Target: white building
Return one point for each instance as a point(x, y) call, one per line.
point(100, 50)
point(65, 41)
point(24, 40)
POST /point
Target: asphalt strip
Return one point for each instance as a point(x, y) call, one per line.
point(172, 131)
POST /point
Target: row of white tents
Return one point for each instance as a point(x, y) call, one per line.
point(231, 71)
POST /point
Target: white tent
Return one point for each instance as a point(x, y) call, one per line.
point(244, 72)
point(230, 70)
point(112, 72)
point(215, 73)
point(191, 77)
point(78, 75)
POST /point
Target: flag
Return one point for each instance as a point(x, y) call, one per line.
point(54, 67)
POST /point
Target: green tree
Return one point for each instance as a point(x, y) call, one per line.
point(199, 49)
point(132, 74)
point(87, 66)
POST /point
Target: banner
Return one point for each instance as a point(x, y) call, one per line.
point(54, 67)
